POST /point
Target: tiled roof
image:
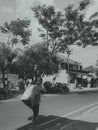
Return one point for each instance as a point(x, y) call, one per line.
point(64, 59)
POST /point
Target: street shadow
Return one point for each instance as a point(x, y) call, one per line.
point(52, 122)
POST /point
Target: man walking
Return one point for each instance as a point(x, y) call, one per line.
point(36, 98)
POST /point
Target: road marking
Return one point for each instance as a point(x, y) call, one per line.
point(80, 109)
point(73, 112)
point(49, 121)
point(97, 128)
point(87, 112)
point(68, 125)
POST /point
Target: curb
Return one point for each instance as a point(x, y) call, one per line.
point(80, 91)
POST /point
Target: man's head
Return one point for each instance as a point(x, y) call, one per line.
point(39, 80)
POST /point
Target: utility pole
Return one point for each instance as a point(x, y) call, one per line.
point(68, 53)
point(68, 70)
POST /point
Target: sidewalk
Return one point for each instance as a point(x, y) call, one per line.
point(75, 90)
point(84, 90)
point(81, 90)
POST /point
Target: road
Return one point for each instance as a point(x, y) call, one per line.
point(57, 112)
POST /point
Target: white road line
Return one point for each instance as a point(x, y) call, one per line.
point(68, 125)
point(80, 109)
point(73, 112)
point(49, 121)
point(97, 128)
point(87, 112)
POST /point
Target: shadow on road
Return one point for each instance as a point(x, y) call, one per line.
point(58, 123)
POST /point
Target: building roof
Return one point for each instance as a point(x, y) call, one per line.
point(64, 59)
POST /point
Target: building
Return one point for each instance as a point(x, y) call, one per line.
point(69, 71)
point(73, 68)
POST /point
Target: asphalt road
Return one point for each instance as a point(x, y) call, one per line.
point(59, 112)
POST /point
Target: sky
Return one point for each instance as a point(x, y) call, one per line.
point(12, 9)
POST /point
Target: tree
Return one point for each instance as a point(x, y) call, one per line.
point(68, 28)
point(48, 63)
point(83, 4)
point(52, 22)
point(36, 61)
point(16, 31)
point(6, 58)
point(78, 31)
point(26, 63)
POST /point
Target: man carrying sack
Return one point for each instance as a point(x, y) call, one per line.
point(32, 96)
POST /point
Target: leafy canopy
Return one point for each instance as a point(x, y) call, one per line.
point(63, 29)
point(16, 31)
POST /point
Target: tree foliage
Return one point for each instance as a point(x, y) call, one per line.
point(52, 22)
point(36, 61)
point(16, 31)
point(6, 58)
point(83, 4)
point(68, 28)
